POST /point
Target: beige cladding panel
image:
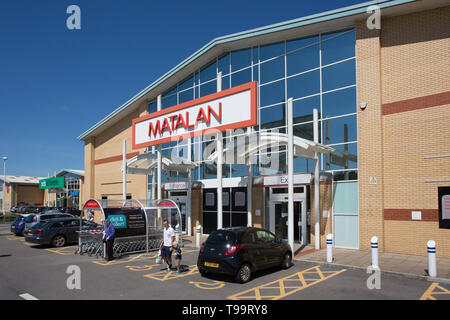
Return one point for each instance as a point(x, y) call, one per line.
point(108, 177)
point(369, 135)
point(411, 237)
point(415, 55)
point(109, 143)
point(409, 138)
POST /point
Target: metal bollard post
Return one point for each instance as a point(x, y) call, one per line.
point(329, 248)
point(177, 233)
point(374, 245)
point(198, 234)
point(432, 258)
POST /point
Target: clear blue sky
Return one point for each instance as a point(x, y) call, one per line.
point(56, 83)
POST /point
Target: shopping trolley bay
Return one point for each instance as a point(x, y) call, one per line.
point(46, 273)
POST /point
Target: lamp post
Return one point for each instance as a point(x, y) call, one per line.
point(4, 184)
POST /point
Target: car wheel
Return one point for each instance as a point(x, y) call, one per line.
point(287, 261)
point(58, 241)
point(203, 273)
point(244, 273)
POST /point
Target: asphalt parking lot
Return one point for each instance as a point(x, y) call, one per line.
point(31, 271)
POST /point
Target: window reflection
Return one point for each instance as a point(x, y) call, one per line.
point(304, 85)
point(339, 130)
point(272, 70)
point(339, 75)
point(339, 102)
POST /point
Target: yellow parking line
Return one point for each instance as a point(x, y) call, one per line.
point(430, 293)
point(286, 286)
point(142, 268)
point(164, 275)
point(207, 285)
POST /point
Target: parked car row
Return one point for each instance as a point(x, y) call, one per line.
point(52, 228)
point(30, 209)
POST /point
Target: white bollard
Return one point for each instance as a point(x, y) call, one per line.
point(374, 245)
point(432, 258)
point(329, 248)
point(198, 234)
point(177, 233)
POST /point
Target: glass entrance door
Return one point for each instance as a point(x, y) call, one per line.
point(279, 225)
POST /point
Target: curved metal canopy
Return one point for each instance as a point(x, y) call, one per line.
point(255, 143)
point(145, 163)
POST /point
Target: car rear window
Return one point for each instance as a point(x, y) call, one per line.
point(39, 225)
point(29, 219)
point(221, 236)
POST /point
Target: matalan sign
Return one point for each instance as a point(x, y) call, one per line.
point(225, 110)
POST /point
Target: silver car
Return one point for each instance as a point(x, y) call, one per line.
point(35, 218)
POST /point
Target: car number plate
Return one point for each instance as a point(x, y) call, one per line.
point(13, 227)
point(212, 265)
point(30, 234)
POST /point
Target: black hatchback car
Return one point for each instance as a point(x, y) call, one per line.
point(58, 232)
point(241, 251)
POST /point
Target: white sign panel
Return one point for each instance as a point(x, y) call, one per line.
point(229, 109)
point(446, 207)
point(181, 185)
point(304, 178)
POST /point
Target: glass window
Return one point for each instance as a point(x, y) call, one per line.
point(222, 236)
point(303, 109)
point(152, 107)
point(225, 82)
point(223, 64)
point(255, 55)
point(339, 102)
point(188, 83)
point(272, 93)
point(345, 157)
point(345, 175)
point(300, 43)
point(187, 95)
point(273, 163)
point(339, 75)
point(329, 35)
point(272, 70)
point(303, 60)
point(303, 165)
point(208, 73)
point(339, 130)
point(241, 77)
point(339, 48)
point(304, 85)
point(241, 59)
point(271, 51)
point(305, 131)
point(169, 101)
point(239, 170)
point(255, 73)
point(273, 117)
point(208, 88)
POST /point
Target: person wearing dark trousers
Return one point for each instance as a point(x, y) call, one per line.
point(109, 239)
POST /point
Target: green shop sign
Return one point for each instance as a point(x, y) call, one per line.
point(51, 183)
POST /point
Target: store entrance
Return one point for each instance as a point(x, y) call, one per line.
point(180, 198)
point(278, 213)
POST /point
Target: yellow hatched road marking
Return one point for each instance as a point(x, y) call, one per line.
point(146, 267)
point(283, 287)
point(430, 292)
point(164, 275)
point(65, 251)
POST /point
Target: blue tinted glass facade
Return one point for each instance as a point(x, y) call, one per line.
point(318, 71)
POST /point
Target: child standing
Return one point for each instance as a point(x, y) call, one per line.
point(177, 250)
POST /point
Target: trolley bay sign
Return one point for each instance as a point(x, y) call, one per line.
point(229, 109)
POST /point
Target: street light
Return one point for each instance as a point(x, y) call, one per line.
point(4, 184)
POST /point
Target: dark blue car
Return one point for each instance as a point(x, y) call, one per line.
point(240, 251)
point(18, 225)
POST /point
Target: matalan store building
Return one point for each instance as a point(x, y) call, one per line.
point(367, 109)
